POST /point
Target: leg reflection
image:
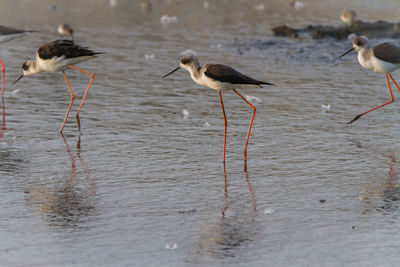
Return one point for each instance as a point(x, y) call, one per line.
point(84, 166)
point(71, 158)
point(391, 191)
point(237, 227)
point(380, 195)
point(3, 119)
point(3, 124)
point(250, 188)
point(82, 163)
point(226, 205)
point(251, 191)
point(66, 200)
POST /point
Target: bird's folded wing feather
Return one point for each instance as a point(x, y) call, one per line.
point(65, 48)
point(387, 52)
point(227, 74)
point(6, 30)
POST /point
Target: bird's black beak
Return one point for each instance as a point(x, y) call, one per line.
point(172, 71)
point(19, 78)
point(347, 52)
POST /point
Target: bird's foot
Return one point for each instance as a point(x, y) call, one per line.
point(355, 118)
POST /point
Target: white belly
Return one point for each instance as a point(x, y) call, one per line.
point(377, 65)
point(381, 66)
point(219, 86)
point(59, 63)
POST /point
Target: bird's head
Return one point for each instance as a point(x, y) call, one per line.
point(358, 43)
point(188, 63)
point(27, 69)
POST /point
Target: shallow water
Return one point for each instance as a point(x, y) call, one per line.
point(144, 184)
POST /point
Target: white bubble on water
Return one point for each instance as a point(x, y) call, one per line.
point(326, 108)
point(149, 56)
point(252, 98)
point(171, 246)
point(186, 114)
point(259, 7)
point(165, 19)
point(112, 3)
point(268, 211)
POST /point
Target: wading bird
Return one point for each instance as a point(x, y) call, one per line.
point(382, 58)
point(58, 56)
point(7, 34)
point(220, 77)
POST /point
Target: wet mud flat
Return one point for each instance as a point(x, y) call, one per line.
point(144, 184)
point(377, 29)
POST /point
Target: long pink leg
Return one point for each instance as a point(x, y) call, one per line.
point(398, 88)
point(86, 92)
point(251, 122)
point(384, 104)
point(225, 123)
point(70, 103)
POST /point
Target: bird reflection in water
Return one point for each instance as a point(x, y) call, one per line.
point(3, 118)
point(391, 192)
point(382, 197)
point(3, 112)
point(237, 227)
point(69, 203)
point(251, 191)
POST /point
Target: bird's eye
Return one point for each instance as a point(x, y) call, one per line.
point(359, 42)
point(25, 66)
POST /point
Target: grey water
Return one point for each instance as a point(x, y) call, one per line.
point(144, 184)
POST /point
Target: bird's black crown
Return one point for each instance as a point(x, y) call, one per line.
point(25, 66)
point(186, 60)
point(359, 41)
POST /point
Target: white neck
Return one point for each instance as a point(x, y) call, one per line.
point(195, 73)
point(364, 57)
point(33, 68)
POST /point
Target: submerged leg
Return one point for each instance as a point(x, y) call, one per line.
point(86, 92)
point(384, 104)
point(251, 122)
point(70, 103)
point(225, 122)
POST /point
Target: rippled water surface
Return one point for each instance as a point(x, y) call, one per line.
point(143, 185)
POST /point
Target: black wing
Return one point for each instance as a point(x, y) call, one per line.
point(227, 74)
point(387, 52)
point(65, 48)
point(6, 30)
